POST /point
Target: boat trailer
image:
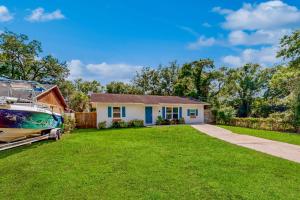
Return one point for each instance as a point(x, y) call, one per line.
point(54, 134)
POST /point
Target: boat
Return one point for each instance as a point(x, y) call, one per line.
point(21, 116)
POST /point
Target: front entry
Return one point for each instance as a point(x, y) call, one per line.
point(148, 115)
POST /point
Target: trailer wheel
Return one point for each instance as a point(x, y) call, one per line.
point(58, 133)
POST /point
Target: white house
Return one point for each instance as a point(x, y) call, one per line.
point(111, 107)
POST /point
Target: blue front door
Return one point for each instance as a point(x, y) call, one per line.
point(148, 114)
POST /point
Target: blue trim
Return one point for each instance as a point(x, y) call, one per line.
point(188, 112)
point(123, 111)
point(180, 112)
point(164, 112)
point(196, 112)
point(109, 111)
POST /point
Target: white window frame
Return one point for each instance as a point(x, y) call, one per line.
point(172, 112)
point(193, 113)
point(113, 112)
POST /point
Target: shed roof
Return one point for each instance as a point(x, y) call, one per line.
point(144, 99)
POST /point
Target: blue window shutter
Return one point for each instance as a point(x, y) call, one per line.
point(109, 111)
point(180, 112)
point(188, 112)
point(123, 111)
point(196, 112)
point(164, 112)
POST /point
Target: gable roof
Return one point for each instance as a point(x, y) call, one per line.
point(143, 99)
point(54, 88)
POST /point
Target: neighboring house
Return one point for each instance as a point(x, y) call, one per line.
point(53, 98)
point(114, 107)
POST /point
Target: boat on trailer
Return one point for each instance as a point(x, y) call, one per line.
point(21, 116)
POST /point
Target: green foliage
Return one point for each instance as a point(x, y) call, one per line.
point(290, 48)
point(277, 123)
point(136, 123)
point(122, 88)
point(102, 125)
point(224, 115)
point(131, 124)
point(69, 124)
point(76, 93)
point(18, 60)
point(159, 120)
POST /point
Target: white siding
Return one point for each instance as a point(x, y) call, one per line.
point(137, 111)
point(133, 111)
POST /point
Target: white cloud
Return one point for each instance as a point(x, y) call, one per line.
point(202, 41)
point(258, 37)
point(39, 15)
point(102, 72)
point(221, 11)
point(266, 15)
point(5, 15)
point(265, 56)
point(76, 69)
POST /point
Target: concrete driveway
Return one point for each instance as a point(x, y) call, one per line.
point(274, 148)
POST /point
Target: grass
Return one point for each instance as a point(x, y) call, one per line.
point(174, 162)
point(292, 138)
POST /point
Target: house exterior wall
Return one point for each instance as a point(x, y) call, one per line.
point(50, 99)
point(137, 111)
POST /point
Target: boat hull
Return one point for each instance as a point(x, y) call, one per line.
point(17, 124)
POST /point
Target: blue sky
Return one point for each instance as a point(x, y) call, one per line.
point(110, 40)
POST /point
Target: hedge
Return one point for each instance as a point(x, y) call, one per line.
point(262, 123)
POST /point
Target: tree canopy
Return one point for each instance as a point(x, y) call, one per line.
point(21, 59)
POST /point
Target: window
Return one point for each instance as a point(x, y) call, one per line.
point(175, 113)
point(172, 112)
point(193, 113)
point(116, 112)
point(169, 112)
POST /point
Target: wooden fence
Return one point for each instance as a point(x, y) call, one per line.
point(86, 119)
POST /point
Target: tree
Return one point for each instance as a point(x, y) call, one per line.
point(121, 88)
point(87, 86)
point(168, 77)
point(20, 59)
point(290, 48)
point(246, 83)
point(148, 81)
point(201, 77)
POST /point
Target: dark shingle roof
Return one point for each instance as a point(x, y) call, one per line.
point(144, 99)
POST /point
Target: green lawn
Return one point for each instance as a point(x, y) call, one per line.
point(292, 138)
point(174, 162)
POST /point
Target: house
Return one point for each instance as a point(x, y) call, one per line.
point(111, 107)
point(53, 98)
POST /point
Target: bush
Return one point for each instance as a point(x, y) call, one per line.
point(224, 115)
point(123, 124)
point(115, 124)
point(102, 125)
point(69, 124)
point(136, 123)
point(166, 122)
point(159, 120)
point(275, 124)
point(181, 121)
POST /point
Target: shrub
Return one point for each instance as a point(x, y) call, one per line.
point(123, 124)
point(166, 122)
point(224, 115)
point(159, 120)
point(115, 124)
point(69, 124)
point(136, 123)
point(181, 121)
point(102, 125)
point(174, 121)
